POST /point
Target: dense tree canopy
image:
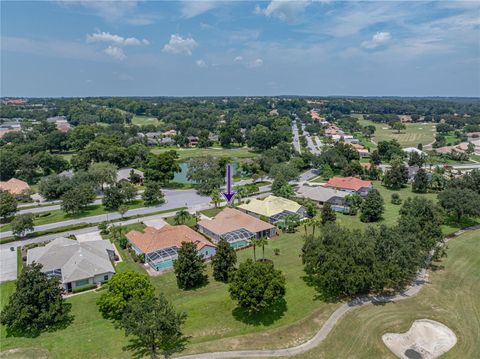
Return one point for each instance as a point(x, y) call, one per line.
point(257, 286)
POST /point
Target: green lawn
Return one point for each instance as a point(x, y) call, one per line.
point(452, 297)
point(213, 321)
point(144, 120)
point(414, 134)
point(59, 215)
point(185, 153)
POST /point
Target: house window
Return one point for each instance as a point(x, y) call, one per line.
point(105, 277)
point(81, 282)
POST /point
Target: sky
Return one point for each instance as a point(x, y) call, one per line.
point(226, 48)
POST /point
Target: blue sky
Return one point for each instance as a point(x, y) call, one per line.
point(203, 48)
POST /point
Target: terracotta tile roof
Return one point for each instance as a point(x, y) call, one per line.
point(153, 239)
point(231, 219)
point(351, 183)
point(14, 186)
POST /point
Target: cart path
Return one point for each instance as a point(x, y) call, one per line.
point(320, 336)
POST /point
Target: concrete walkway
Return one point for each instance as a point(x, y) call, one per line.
point(318, 338)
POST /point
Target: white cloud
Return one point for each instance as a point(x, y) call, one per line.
point(115, 52)
point(201, 63)
point(378, 39)
point(194, 8)
point(109, 10)
point(255, 63)
point(180, 45)
point(238, 59)
point(286, 10)
point(115, 39)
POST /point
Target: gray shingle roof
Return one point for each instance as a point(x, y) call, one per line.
point(75, 259)
point(320, 193)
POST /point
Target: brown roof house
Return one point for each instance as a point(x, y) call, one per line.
point(160, 246)
point(14, 186)
point(236, 227)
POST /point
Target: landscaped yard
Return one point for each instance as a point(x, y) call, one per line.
point(213, 320)
point(414, 134)
point(452, 297)
point(185, 153)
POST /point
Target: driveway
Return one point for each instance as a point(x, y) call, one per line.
point(8, 264)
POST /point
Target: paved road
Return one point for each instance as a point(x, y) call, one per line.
point(8, 264)
point(296, 138)
point(310, 144)
point(410, 292)
point(174, 199)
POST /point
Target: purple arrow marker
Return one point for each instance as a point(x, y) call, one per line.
point(229, 194)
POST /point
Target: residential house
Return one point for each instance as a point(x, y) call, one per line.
point(409, 150)
point(74, 263)
point(236, 227)
point(124, 174)
point(168, 141)
point(362, 151)
point(192, 141)
point(350, 184)
point(272, 208)
point(322, 195)
point(169, 133)
point(160, 245)
point(14, 186)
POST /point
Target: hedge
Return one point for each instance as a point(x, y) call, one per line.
point(84, 288)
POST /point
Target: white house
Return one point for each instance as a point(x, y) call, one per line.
point(75, 264)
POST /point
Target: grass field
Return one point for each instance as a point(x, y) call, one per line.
point(213, 320)
point(451, 297)
point(185, 153)
point(145, 120)
point(414, 134)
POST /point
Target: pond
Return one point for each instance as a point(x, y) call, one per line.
point(181, 177)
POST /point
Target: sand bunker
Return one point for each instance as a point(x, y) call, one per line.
point(426, 339)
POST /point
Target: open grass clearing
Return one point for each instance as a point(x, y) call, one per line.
point(414, 134)
point(140, 120)
point(213, 320)
point(451, 297)
point(186, 153)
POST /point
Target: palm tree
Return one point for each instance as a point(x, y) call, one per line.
point(307, 222)
point(291, 222)
point(314, 222)
point(216, 199)
point(254, 242)
point(242, 192)
point(196, 216)
point(262, 242)
point(117, 231)
point(182, 216)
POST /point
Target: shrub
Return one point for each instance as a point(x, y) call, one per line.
point(84, 288)
point(396, 199)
